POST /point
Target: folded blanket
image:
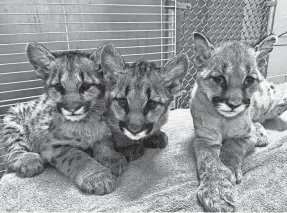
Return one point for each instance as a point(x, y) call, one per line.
point(162, 180)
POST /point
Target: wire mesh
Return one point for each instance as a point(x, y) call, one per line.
point(140, 30)
point(220, 20)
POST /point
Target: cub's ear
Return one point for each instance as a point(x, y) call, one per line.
point(202, 48)
point(41, 59)
point(263, 48)
point(112, 63)
point(96, 55)
point(174, 71)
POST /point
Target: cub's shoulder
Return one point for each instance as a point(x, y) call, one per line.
point(32, 112)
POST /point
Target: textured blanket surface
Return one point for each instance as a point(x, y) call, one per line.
point(162, 180)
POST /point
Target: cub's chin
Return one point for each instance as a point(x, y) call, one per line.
point(226, 111)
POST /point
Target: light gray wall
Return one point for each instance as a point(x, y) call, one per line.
point(278, 58)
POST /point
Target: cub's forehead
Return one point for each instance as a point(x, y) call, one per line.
point(74, 66)
point(75, 63)
point(140, 80)
point(234, 52)
point(232, 56)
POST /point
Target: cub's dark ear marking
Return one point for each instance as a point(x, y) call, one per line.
point(112, 63)
point(174, 71)
point(41, 59)
point(202, 48)
point(262, 49)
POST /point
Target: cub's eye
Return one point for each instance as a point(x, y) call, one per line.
point(122, 102)
point(59, 88)
point(151, 104)
point(219, 79)
point(84, 87)
point(249, 81)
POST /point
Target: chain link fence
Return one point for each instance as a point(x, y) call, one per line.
point(220, 20)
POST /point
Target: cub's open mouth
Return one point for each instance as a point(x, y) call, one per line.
point(231, 113)
point(75, 117)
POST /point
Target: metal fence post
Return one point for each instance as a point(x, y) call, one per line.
point(272, 8)
point(271, 16)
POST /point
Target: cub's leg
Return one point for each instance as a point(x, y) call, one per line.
point(216, 191)
point(25, 164)
point(132, 152)
point(233, 152)
point(129, 148)
point(157, 140)
point(261, 135)
point(104, 153)
point(89, 175)
point(19, 156)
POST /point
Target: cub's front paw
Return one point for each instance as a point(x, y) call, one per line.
point(261, 134)
point(116, 162)
point(132, 152)
point(28, 164)
point(96, 182)
point(233, 162)
point(217, 190)
point(158, 140)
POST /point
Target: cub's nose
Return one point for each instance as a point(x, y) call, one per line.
point(133, 128)
point(232, 106)
point(71, 107)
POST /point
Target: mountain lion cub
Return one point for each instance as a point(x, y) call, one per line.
point(228, 76)
point(66, 127)
point(139, 99)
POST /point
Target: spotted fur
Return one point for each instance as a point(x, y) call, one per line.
point(66, 127)
point(229, 76)
point(269, 101)
point(139, 99)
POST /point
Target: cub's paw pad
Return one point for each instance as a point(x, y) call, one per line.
point(98, 183)
point(261, 134)
point(157, 140)
point(217, 192)
point(116, 163)
point(28, 165)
